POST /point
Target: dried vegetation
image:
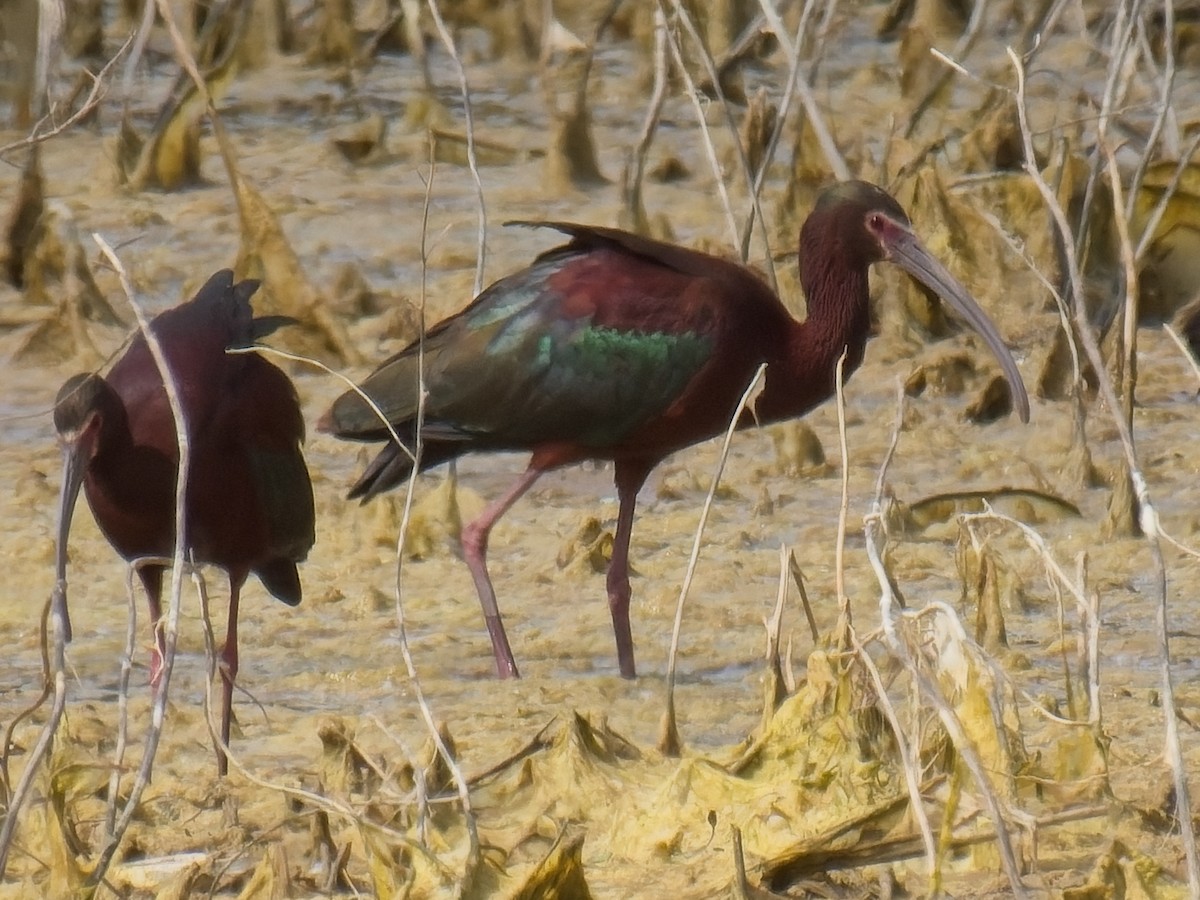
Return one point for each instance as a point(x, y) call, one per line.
point(909, 748)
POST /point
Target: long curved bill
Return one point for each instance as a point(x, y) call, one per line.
point(906, 250)
point(74, 465)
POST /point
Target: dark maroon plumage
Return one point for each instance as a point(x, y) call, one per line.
point(618, 347)
point(249, 500)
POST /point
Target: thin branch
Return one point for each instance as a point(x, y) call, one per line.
point(961, 48)
point(694, 96)
point(658, 96)
point(96, 93)
point(815, 117)
point(1160, 208)
point(928, 689)
point(1164, 107)
point(670, 731)
point(1184, 349)
point(912, 776)
point(839, 557)
point(710, 69)
point(159, 709)
point(1148, 517)
point(768, 155)
point(472, 862)
point(464, 88)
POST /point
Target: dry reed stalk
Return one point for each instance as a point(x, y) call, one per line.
point(114, 778)
point(909, 760)
point(658, 94)
point(669, 742)
point(428, 718)
point(785, 104)
point(448, 42)
point(96, 93)
point(473, 852)
point(815, 117)
point(1092, 628)
point(1058, 578)
point(875, 533)
point(710, 149)
point(1184, 349)
point(1164, 110)
point(54, 665)
point(1148, 517)
point(798, 577)
point(773, 682)
point(845, 621)
point(1060, 303)
point(178, 558)
point(51, 17)
point(11, 728)
point(418, 774)
point(710, 70)
point(1160, 208)
point(961, 48)
point(140, 36)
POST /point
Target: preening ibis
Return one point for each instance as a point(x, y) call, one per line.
point(621, 348)
point(249, 502)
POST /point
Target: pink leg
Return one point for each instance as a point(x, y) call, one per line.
point(152, 581)
point(229, 670)
point(629, 479)
point(474, 547)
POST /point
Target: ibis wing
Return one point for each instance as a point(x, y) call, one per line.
point(680, 259)
point(580, 347)
point(266, 429)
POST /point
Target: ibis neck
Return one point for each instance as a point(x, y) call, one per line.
point(838, 321)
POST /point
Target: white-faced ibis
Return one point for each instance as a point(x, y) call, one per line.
point(249, 502)
point(621, 348)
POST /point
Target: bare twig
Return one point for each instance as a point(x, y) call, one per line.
point(114, 778)
point(472, 861)
point(1184, 349)
point(1148, 517)
point(798, 578)
point(844, 618)
point(1160, 208)
point(928, 689)
point(50, 19)
point(56, 675)
point(6, 794)
point(912, 775)
point(159, 709)
point(658, 95)
point(44, 130)
point(670, 732)
point(815, 117)
point(682, 15)
point(140, 36)
point(448, 43)
point(714, 163)
point(768, 155)
point(1164, 107)
point(961, 48)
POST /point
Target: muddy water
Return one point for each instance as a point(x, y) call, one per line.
point(338, 654)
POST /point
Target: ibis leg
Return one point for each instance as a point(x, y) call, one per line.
point(474, 548)
point(629, 479)
point(229, 670)
point(152, 581)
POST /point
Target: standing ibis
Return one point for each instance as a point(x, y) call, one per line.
point(249, 502)
point(617, 347)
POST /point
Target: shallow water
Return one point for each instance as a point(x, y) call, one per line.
point(338, 653)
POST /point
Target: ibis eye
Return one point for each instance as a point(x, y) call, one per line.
point(875, 221)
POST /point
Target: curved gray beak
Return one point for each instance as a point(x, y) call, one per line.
point(75, 459)
point(907, 251)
